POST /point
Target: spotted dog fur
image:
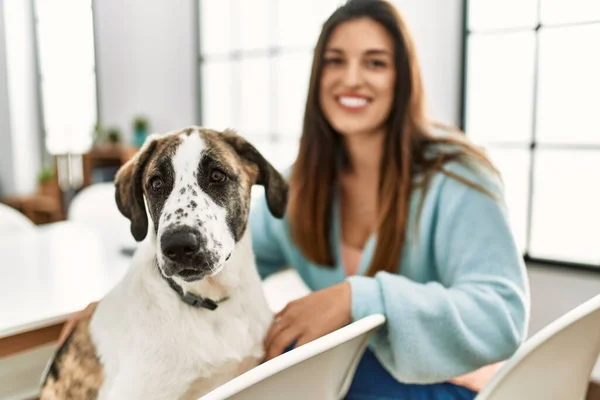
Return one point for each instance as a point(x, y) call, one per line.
point(75, 372)
point(142, 341)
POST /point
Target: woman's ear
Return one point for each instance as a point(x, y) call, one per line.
point(129, 192)
point(276, 187)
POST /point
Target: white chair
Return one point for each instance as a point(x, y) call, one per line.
point(95, 203)
point(322, 369)
point(555, 363)
point(95, 207)
point(12, 221)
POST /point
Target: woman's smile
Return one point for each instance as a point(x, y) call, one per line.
point(353, 102)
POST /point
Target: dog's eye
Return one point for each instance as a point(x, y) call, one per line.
point(156, 184)
point(217, 176)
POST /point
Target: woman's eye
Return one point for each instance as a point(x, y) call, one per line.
point(156, 184)
point(217, 176)
point(376, 63)
point(333, 61)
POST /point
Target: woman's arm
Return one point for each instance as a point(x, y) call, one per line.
point(476, 314)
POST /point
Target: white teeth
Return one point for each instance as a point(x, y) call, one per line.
point(354, 102)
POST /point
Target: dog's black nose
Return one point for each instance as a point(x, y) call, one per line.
point(180, 246)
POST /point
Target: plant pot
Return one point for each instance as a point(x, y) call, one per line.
point(49, 188)
point(139, 137)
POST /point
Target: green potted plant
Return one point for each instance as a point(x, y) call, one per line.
point(45, 177)
point(114, 135)
point(97, 134)
point(140, 130)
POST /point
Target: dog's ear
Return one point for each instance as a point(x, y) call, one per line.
point(276, 187)
point(129, 192)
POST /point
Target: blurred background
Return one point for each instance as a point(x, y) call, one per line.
point(83, 82)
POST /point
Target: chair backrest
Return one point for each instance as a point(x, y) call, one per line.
point(322, 369)
point(94, 203)
point(555, 363)
point(12, 221)
point(95, 208)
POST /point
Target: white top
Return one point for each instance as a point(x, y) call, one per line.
point(51, 272)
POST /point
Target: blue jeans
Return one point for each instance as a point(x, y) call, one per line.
point(373, 382)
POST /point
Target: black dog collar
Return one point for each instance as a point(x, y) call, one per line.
point(204, 302)
point(192, 299)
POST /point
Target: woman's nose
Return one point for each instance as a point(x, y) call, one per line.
point(352, 75)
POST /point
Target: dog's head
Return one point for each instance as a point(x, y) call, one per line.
point(196, 184)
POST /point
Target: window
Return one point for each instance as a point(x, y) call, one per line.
point(531, 98)
point(255, 59)
point(65, 42)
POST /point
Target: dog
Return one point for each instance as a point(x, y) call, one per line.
point(190, 314)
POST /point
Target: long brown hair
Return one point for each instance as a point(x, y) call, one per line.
point(406, 146)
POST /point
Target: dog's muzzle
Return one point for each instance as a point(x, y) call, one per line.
point(185, 254)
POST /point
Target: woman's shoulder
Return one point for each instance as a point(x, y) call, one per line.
point(464, 173)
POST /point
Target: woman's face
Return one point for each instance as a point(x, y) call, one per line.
point(357, 82)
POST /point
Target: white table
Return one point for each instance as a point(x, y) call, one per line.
point(52, 272)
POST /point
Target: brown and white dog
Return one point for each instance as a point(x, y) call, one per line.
point(190, 314)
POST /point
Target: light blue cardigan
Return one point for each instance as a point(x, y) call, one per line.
point(460, 298)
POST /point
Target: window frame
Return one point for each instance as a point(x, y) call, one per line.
point(273, 136)
point(45, 154)
point(533, 146)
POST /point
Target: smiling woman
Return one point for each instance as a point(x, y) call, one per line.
point(389, 214)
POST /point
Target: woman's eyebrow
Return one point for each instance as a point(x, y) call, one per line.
point(369, 52)
point(375, 52)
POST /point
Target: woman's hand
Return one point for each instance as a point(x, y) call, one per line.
point(73, 320)
point(309, 318)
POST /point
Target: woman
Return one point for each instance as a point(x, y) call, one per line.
point(386, 216)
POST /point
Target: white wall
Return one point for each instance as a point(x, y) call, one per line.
point(7, 182)
point(22, 95)
point(436, 26)
point(146, 62)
